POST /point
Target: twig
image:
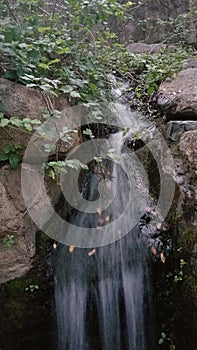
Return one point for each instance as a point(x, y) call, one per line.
point(54, 9)
point(11, 12)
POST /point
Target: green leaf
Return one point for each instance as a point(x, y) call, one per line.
point(16, 122)
point(172, 347)
point(4, 122)
point(3, 157)
point(8, 148)
point(28, 126)
point(161, 341)
point(75, 94)
point(44, 66)
point(14, 160)
point(43, 29)
point(163, 335)
point(67, 89)
point(89, 133)
point(54, 61)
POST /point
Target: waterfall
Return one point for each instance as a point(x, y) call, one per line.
point(102, 300)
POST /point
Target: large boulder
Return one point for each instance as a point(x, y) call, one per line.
point(177, 98)
point(16, 259)
point(23, 102)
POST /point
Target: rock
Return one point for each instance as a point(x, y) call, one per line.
point(190, 63)
point(14, 220)
point(178, 98)
point(16, 260)
point(175, 129)
point(23, 102)
point(149, 48)
point(188, 147)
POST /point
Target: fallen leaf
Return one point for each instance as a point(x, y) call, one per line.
point(99, 211)
point(71, 248)
point(159, 225)
point(154, 250)
point(107, 218)
point(163, 258)
point(92, 252)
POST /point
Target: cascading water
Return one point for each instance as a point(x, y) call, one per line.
point(102, 296)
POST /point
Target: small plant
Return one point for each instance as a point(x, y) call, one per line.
point(8, 241)
point(179, 276)
point(164, 339)
point(10, 153)
point(31, 288)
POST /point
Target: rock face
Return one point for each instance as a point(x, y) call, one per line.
point(22, 102)
point(175, 129)
point(150, 22)
point(149, 48)
point(188, 146)
point(16, 260)
point(178, 98)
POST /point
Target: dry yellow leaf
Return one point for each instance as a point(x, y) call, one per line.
point(71, 248)
point(92, 252)
point(163, 258)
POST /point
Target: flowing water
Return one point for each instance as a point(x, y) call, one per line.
point(102, 300)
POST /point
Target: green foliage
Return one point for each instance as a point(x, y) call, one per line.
point(8, 241)
point(10, 153)
point(163, 339)
point(54, 168)
point(32, 288)
point(153, 69)
point(179, 276)
point(57, 49)
point(25, 123)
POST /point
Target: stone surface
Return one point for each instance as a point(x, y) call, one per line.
point(188, 147)
point(190, 63)
point(149, 48)
point(175, 129)
point(16, 260)
point(155, 21)
point(178, 98)
point(14, 220)
point(23, 102)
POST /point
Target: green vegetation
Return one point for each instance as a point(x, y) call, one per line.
point(31, 288)
point(11, 154)
point(68, 49)
point(165, 339)
point(179, 276)
point(8, 241)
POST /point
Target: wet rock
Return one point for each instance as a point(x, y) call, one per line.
point(178, 98)
point(175, 129)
